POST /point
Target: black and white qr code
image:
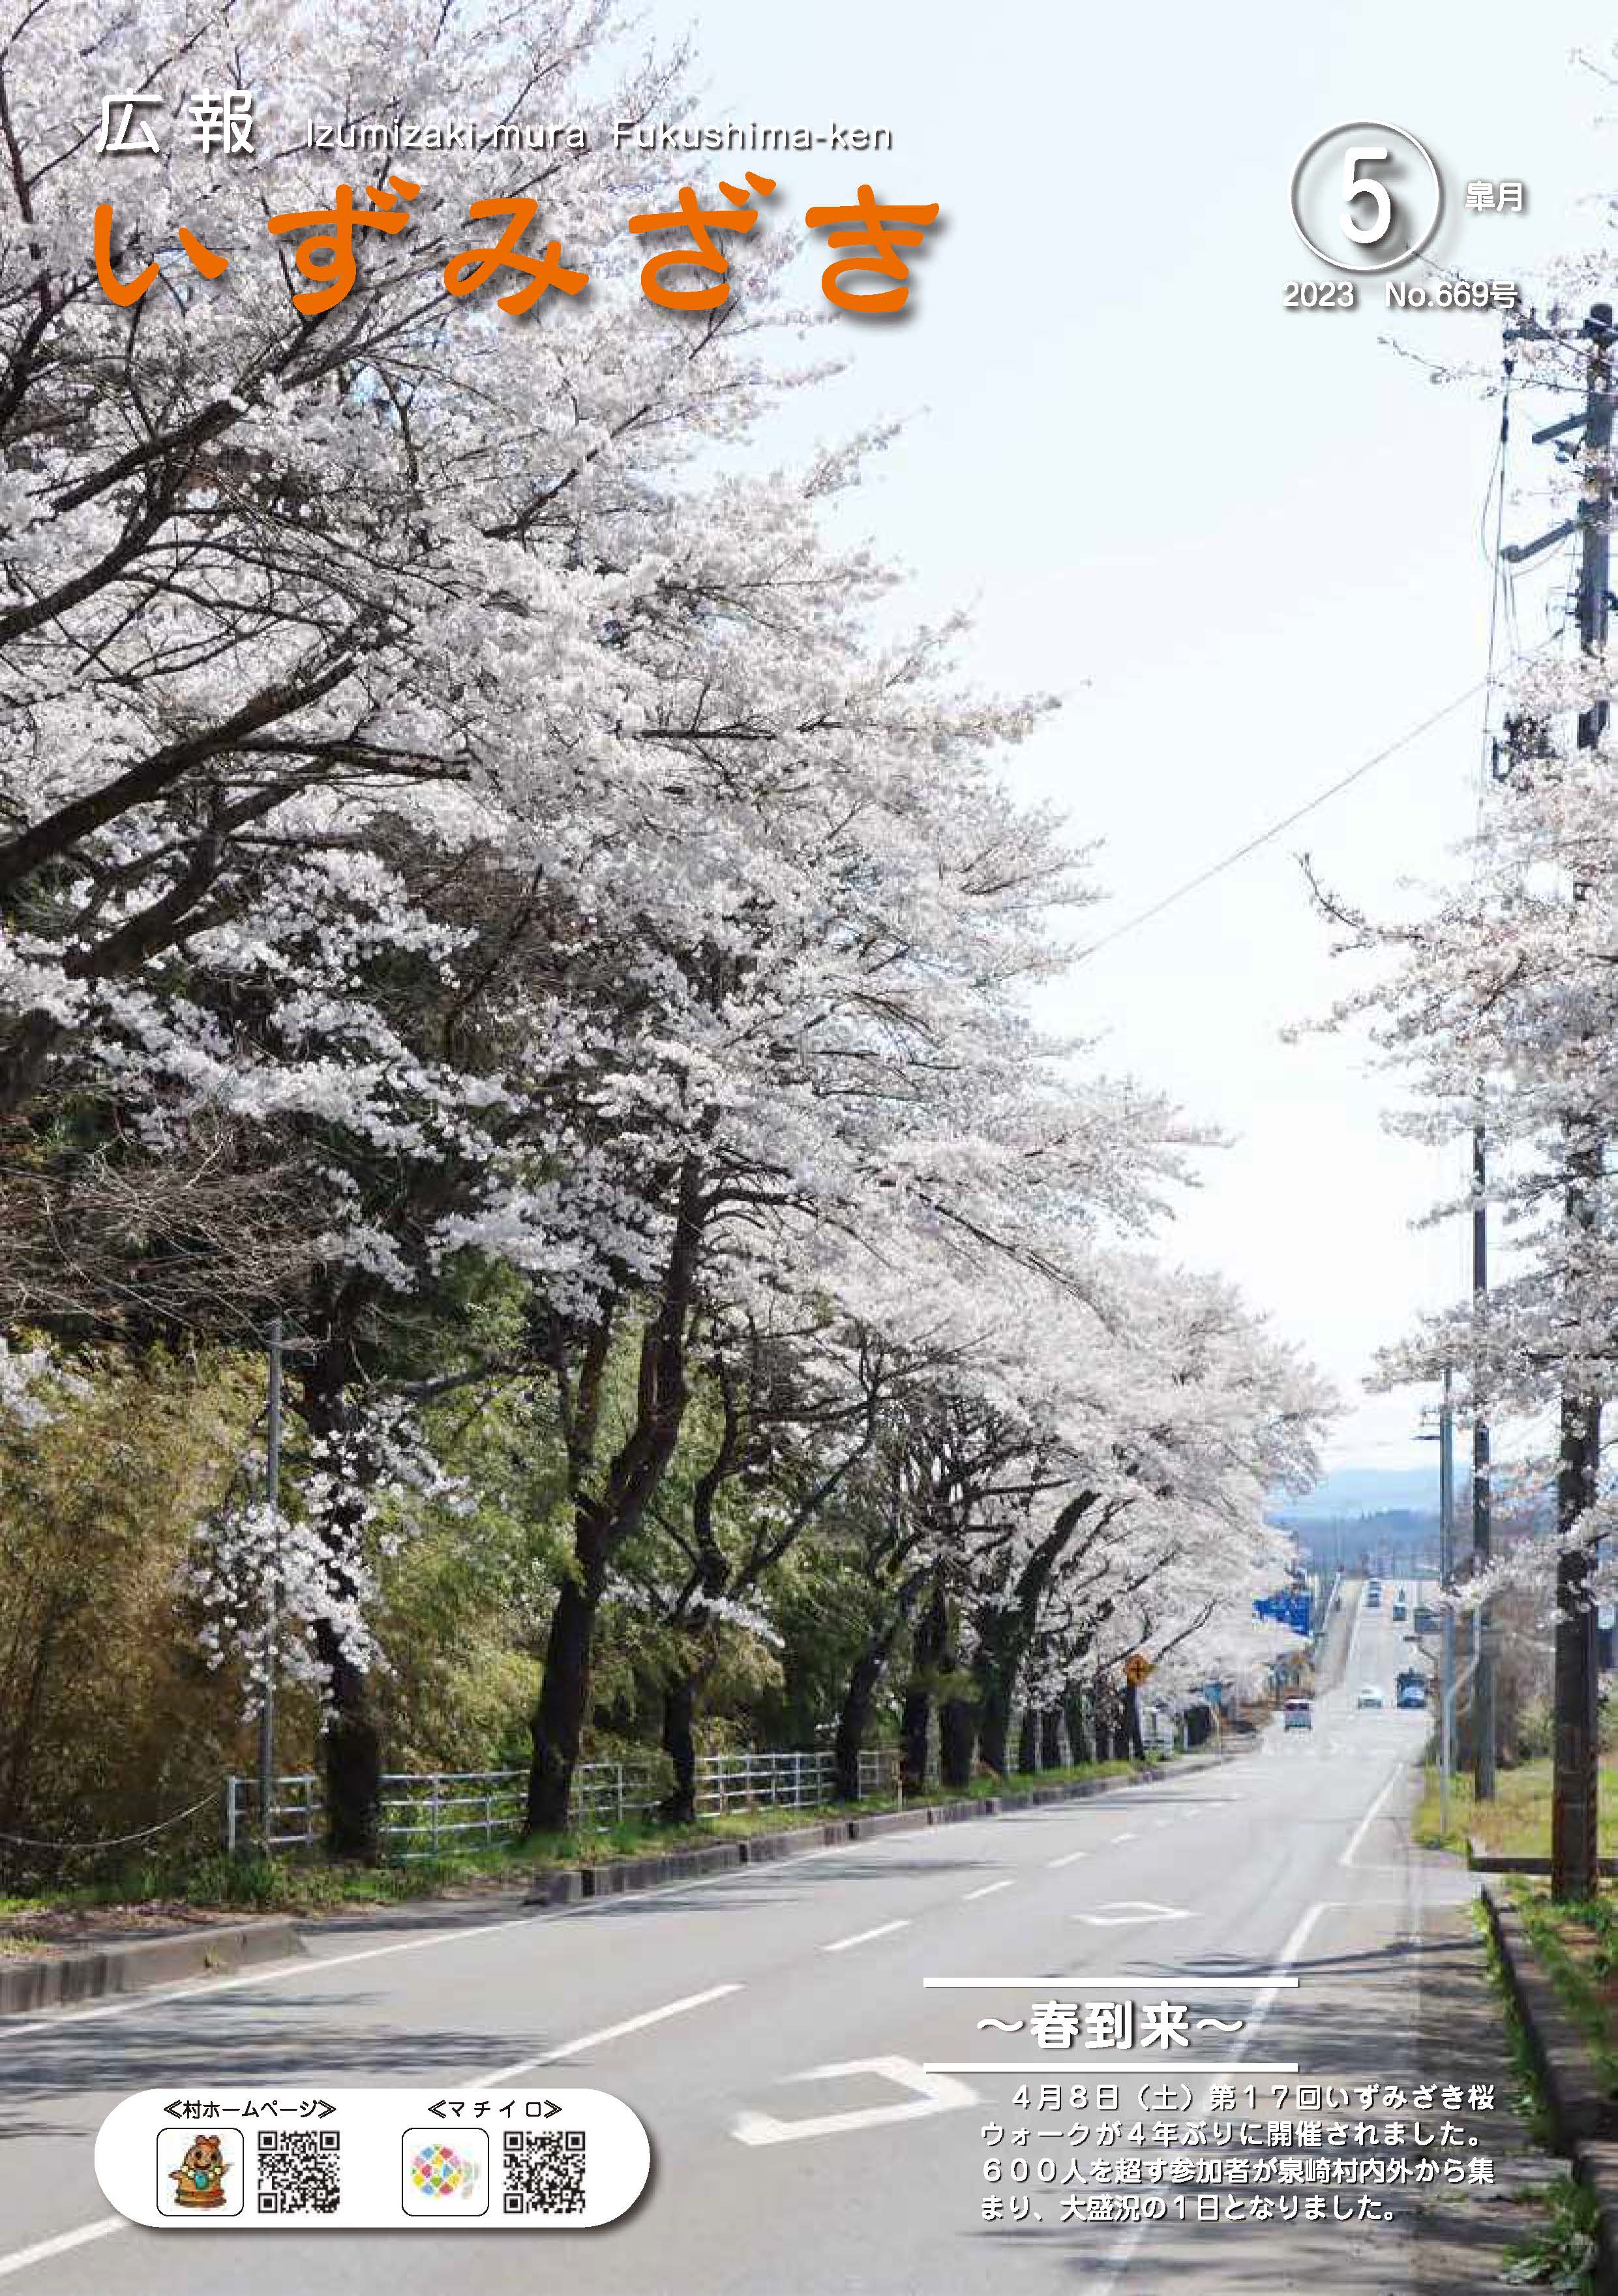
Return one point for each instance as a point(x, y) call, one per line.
point(544, 2172)
point(300, 2172)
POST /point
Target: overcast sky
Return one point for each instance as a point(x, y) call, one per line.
point(1243, 541)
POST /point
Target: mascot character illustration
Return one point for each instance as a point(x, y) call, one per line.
point(199, 2179)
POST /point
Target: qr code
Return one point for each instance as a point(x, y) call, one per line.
point(544, 2172)
point(300, 2172)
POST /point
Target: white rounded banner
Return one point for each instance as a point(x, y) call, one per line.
point(301, 2156)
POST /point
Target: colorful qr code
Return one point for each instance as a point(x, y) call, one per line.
point(544, 2172)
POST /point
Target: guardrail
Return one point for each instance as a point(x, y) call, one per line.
point(425, 1813)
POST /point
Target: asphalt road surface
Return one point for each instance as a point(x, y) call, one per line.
point(772, 2029)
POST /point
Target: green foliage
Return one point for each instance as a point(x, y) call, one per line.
point(1564, 2254)
point(109, 1720)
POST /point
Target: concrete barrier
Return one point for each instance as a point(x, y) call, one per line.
point(50, 1981)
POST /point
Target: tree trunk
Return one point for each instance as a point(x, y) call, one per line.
point(853, 1720)
point(994, 1725)
point(353, 1756)
point(915, 1725)
point(604, 1519)
point(957, 1735)
point(1135, 1743)
point(1028, 1741)
point(927, 1651)
point(1050, 1738)
point(680, 1744)
point(558, 1718)
point(352, 1745)
point(1080, 1746)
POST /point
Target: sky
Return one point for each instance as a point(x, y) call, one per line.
point(1241, 541)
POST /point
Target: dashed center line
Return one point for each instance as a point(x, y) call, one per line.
point(1072, 1858)
point(987, 1891)
point(1124, 1837)
point(863, 1937)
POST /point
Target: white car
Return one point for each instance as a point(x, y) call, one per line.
point(1370, 1695)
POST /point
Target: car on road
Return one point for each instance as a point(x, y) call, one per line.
point(1425, 1621)
point(1297, 1714)
point(1399, 1609)
point(1373, 1596)
point(1370, 1695)
point(1412, 1688)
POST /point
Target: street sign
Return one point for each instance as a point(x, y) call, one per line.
point(1136, 1668)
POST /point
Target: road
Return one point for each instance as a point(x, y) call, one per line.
point(712, 2008)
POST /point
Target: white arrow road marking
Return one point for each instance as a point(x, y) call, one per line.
point(1123, 1911)
point(933, 2093)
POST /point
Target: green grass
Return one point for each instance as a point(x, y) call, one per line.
point(1577, 1946)
point(1517, 1822)
point(1563, 2255)
point(317, 1884)
point(1529, 2097)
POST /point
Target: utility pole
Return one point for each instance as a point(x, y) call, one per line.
point(272, 1623)
point(1574, 1867)
point(1446, 1571)
point(1483, 1695)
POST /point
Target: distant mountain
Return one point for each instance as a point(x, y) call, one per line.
point(1350, 1491)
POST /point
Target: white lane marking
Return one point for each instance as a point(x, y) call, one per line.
point(1124, 1911)
point(932, 2094)
point(863, 1937)
point(987, 1891)
point(1365, 1822)
point(606, 2033)
point(1265, 2001)
point(1072, 1858)
point(1123, 1837)
point(20, 2259)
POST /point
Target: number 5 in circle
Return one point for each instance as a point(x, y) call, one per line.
point(1356, 187)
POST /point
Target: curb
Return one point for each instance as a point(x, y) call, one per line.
point(1583, 2113)
point(574, 1885)
point(48, 1983)
point(1479, 1860)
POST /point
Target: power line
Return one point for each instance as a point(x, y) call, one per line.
point(1278, 828)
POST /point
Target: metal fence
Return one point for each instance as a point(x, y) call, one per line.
point(294, 1814)
point(432, 1813)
